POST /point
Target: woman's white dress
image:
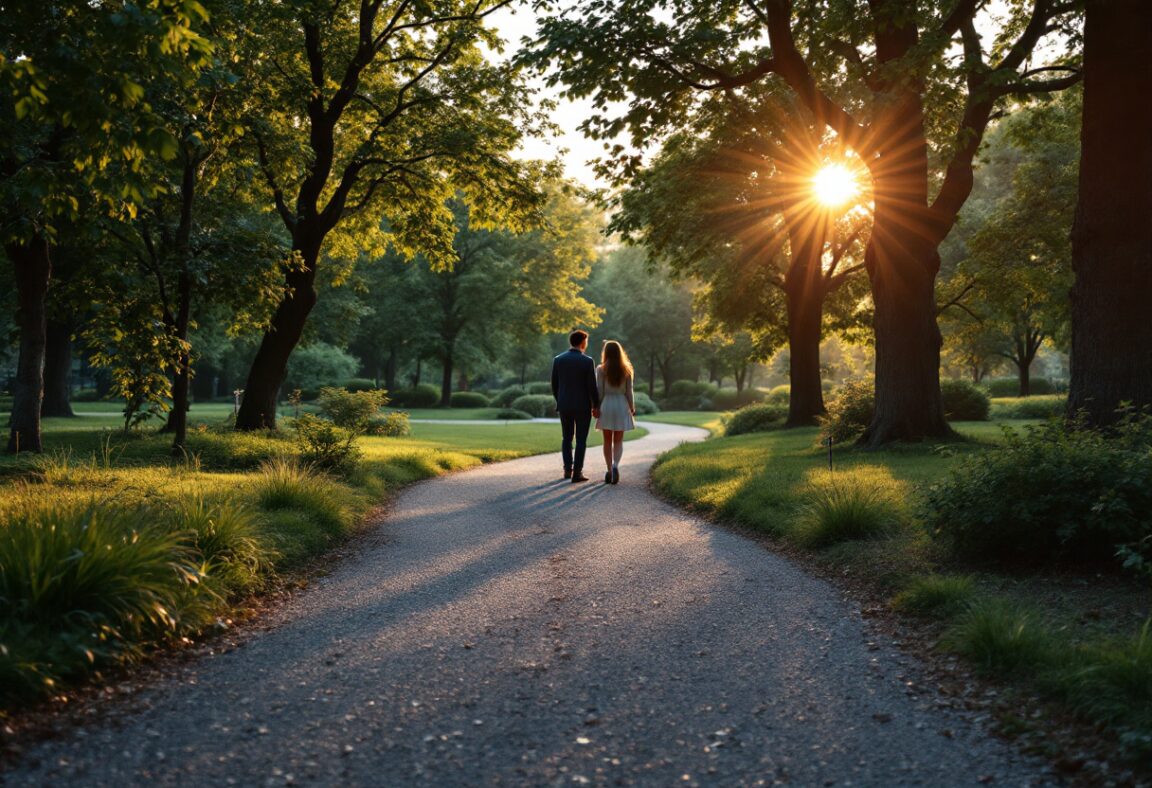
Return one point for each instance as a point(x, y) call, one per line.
point(615, 412)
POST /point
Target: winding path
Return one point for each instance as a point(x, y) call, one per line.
point(502, 627)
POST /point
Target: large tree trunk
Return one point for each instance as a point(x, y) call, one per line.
point(178, 418)
point(1112, 232)
point(258, 409)
point(1024, 373)
point(33, 269)
point(57, 371)
point(390, 371)
point(804, 290)
point(446, 378)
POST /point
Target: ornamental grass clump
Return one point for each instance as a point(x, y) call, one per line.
point(858, 503)
point(226, 535)
point(937, 596)
point(1001, 637)
point(84, 584)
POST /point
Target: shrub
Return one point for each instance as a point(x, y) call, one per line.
point(1043, 407)
point(730, 399)
point(361, 384)
point(313, 366)
point(1049, 493)
point(780, 394)
point(850, 412)
point(304, 506)
point(540, 388)
point(325, 445)
point(352, 410)
point(963, 401)
point(84, 584)
point(850, 505)
point(227, 538)
point(1001, 638)
point(754, 418)
point(423, 396)
point(943, 596)
point(1010, 387)
point(690, 388)
point(644, 404)
point(390, 425)
point(505, 397)
point(539, 405)
point(641, 388)
point(469, 399)
point(511, 414)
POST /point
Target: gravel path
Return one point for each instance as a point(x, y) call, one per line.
point(502, 627)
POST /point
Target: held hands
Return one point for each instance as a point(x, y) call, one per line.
point(595, 413)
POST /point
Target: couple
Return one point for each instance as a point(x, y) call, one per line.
point(583, 390)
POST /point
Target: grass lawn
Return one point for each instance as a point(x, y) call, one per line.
point(708, 420)
point(1074, 637)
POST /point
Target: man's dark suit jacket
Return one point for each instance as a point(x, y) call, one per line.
point(574, 382)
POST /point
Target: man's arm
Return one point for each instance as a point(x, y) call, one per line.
point(593, 389)
point(556, 380)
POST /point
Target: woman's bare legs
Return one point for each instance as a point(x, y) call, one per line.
point(608, 449)
point(617, 446)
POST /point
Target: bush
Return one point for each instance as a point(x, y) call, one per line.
point(511, 414)
point(469, 399)
point(1010, 387)
point(311, 367)
point(352, 410)
point(390, 425)
point(690, 388)
point(539, 405)
point(849, 505)
point(1051, 493)
point(641, 388)
point(963, 401)
point(754, 418)
point(304, 508)
point(361, 384)
point(731, 399)
point(644, 404)
point(1043, 407)
point(325, 445)
point(228, 540)
point(1001, 638)
point(423, 396)
point(505, 397)
point(780, 394)
point(942, 596)
point(85, 584)
point(850, 412)
point(540, 388)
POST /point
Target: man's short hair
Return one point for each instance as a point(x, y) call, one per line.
point(577, 338)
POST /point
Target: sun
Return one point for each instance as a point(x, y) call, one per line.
point(835, 185)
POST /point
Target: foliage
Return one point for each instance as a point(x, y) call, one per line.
point(84, 584)
point(730, 399)
point(1049, 493)
point(539, 405)
point(505, 397)
point(848, 505)
point(1010, 387)
point(306, 506)
point(1035, 407)
point(314, 366)
point(543, 387)
point(755, 418)
point(324, 445)
point(941, 596)
point(963, 401)
point(645, 406)
point(1001, 637)
point(469, 399)
point(361, 384)
point(423, 396)
point(511, 414)
point(391, 425)
point(227, 538)
point(849, 412)
point(352, 410)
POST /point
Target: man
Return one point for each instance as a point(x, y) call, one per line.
point(577, 401)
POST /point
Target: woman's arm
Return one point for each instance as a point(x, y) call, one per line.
point(631, 397)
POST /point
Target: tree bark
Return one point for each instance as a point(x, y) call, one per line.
point(1112, 234)
point(57, 371)
point(258, 408)
point(33, 268)
point(446, 379)
point(804, 290)
point(178, 418)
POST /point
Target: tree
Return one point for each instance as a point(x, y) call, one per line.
point(881, 76)
point(369, 109)
point(72, 111)
point(736, 210)
point(1111, 234)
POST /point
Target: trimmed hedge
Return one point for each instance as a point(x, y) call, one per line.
point(963, 401)
point(1047, 406)
point(505, 397)
point(468, 399)
point(755, 418)
point(361, 384)
point(1010, 387)
point(645, 406)
point(423, 396)
point(539, 405)
point(540, 388)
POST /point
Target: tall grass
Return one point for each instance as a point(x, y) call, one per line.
point(941, 596)
point(227, 537)
point(858, 503)
point(305, 509)
point(1001, 637)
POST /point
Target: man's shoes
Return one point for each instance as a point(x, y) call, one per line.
point(608, 477)
point(615, 475)
point(578, 476)
point(567, 473)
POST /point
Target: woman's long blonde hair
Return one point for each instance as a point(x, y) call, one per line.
point(617, 367)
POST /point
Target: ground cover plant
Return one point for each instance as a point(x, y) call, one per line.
point(111, 549)
point(1080, 639)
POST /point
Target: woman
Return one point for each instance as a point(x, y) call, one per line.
point(617, 405)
